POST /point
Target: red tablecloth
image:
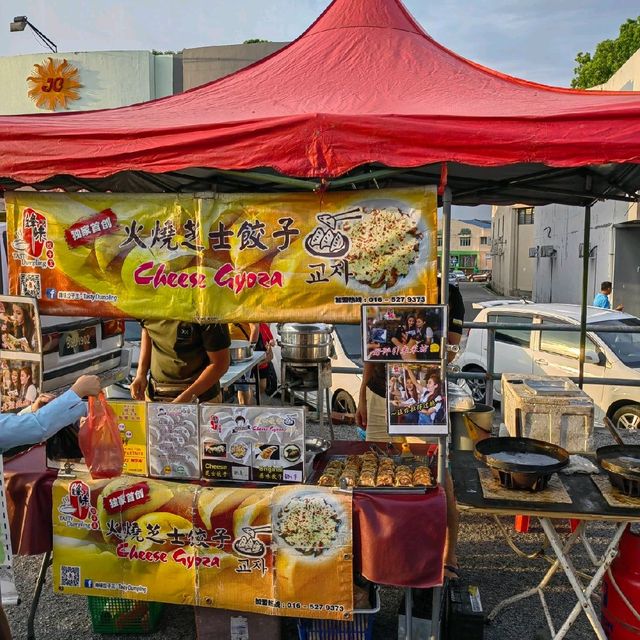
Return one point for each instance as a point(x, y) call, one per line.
point(398, 539)
point(28, 484)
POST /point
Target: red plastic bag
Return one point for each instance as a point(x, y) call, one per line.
point(100, 440)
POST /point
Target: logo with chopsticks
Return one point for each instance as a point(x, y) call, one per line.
point(328, 240)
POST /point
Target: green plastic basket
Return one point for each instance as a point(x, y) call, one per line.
point(121, 616)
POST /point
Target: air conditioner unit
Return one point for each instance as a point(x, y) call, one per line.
point(593, 250)
point(533, 252)
point(547, 251)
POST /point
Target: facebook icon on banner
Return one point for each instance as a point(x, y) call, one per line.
point(88, 584)
point(52, 294)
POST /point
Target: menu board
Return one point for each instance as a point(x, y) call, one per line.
point(172, 436)
point(264, 444)
point(131, 418)
point(20, 353)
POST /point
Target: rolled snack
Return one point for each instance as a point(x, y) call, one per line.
point(384, 479)
point(328, 480)
point(422, 477)
point(367, 480)
point(335, 464)
point(353, 460)
point(404, 480)
point(403, 468)
point(350, 479)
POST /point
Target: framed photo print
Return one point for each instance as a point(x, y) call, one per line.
point(402, 333)
point(416, 399)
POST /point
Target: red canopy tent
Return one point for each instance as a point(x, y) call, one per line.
point(364, 89)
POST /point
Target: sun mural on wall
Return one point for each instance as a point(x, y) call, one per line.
point(54, 84)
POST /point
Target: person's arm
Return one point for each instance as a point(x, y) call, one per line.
point(255, 332)
point(139, 384)
point(361, 411)
point(30, 428)
point(218, 364)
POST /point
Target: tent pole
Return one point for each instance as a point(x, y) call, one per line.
point(446, 233)
point(585, 286)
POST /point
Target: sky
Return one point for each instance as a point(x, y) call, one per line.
point(536, 39)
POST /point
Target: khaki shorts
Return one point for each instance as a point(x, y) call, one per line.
point(377, 428)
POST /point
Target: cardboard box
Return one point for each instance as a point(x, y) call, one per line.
point(223, 624)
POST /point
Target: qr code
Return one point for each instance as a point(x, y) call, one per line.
point(69, 576)
point(30, 285)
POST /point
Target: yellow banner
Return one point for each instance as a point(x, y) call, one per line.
point(230, 257)
point(284, 551)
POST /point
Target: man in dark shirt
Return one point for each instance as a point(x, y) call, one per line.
point(186, 360)
point(371, 415)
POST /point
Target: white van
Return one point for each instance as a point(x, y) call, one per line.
point(555, 353)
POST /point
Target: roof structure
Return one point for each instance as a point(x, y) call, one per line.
point(364, 97)
point(476, 222)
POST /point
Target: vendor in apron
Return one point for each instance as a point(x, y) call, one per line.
point(185, 361)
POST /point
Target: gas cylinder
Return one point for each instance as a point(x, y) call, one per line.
point(618, 621)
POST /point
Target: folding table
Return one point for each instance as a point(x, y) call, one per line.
point(587, 504)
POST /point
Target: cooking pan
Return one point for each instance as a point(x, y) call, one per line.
point(240, 350)
point(521, 463)
point(621, 462)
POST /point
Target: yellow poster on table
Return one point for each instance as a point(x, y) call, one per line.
point(283, 551)
point(312, 256)
point(131, 419)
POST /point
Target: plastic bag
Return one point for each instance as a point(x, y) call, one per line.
point(100, 440)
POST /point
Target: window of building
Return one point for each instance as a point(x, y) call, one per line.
point(525, 215)
point(439, 241)
point(484, 239)
point(465, 241)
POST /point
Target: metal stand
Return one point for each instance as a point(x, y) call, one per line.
point(42, 576)
point(583, 592)
point(322, 390)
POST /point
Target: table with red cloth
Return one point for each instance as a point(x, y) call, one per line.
point(410, 528)
point(28, 485)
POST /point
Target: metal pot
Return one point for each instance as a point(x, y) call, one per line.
point(520, 468)
point(306, 342)
point(240, 350)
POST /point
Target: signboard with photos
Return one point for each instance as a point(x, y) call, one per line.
point(212, 441)
point(410, 342)
point(264, 444)
point(20, 353)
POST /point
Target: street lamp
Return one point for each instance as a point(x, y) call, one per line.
point(20, 22)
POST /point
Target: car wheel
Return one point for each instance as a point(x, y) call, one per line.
point(478, 387)
point(342, 402)
point(627, 417)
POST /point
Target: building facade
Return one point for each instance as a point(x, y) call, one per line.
point(512, 234)
point(615, 230)
point(469, 245)
point(107, 79)
point(110, 79)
